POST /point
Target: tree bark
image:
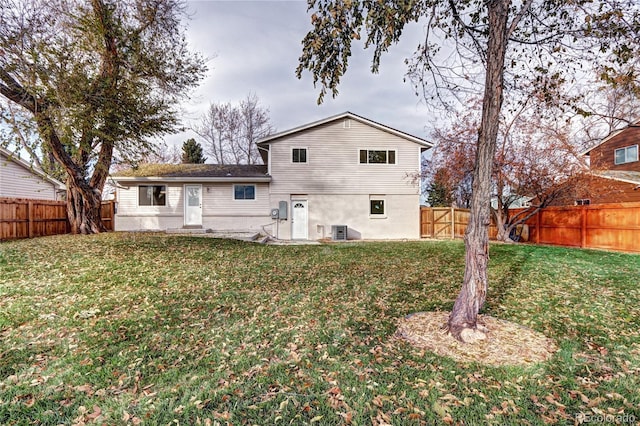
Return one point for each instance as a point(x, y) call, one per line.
point(83, 210)
point(463, 320)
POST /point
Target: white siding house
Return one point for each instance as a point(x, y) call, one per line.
point(19, 179)
point(344, 170)
point(208, 196)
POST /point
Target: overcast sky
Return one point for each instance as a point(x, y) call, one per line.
point(254, 46)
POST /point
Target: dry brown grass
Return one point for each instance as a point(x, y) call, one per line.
point(507, 343)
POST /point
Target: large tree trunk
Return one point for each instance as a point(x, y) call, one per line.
point(83, 210)
point(463, 323)
point(502, 224)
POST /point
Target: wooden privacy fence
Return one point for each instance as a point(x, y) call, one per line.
point(446, 222)
point(603, 226)
point(26, 218)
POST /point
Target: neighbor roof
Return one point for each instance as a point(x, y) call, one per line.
point(352, 116)
point(14, 157)
point(195, 172)
point(620, 175)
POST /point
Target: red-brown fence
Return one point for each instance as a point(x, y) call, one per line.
point(26, 218)
point(446, 222)
point(603, 226)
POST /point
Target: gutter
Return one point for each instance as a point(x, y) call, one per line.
point(194, 179)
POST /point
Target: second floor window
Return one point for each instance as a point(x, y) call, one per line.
point(299, 155)
point(373, 156)
point(628, 154)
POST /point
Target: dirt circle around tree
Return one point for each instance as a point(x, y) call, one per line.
point(506, 343)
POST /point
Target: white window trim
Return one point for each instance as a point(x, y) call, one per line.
point(299, 162)
point(255, 193)
point(384, 201)
point(625, 154)
point(395, 151)
point(166, 195)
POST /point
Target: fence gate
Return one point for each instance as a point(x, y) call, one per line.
point(438, 222)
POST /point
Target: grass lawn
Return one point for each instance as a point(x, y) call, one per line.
point(154, 329)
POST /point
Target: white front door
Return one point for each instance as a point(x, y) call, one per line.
point(299, 220)
point(192, 205)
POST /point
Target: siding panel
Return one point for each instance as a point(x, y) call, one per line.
point(333, 162)
point(603, 156)
point(18, 182)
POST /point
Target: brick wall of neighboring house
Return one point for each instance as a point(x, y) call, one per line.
point(603, 156)
point(599, 190)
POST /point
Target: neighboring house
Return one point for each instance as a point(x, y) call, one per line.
point(615, 169)
point(344, 170)
point(19, 179)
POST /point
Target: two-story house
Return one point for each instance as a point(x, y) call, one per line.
point(344, 177)
point(615, 168)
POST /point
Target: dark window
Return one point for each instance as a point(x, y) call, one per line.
point(244, 192)
point(152, 195)
point(299, 155)
point(583, 202)
point(374, 156)
point(376, 207)
point(377, 157)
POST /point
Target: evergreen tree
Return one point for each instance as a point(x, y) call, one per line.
point(192, 152)
point(439, 195)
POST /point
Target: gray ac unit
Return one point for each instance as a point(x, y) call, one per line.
point(339, 232)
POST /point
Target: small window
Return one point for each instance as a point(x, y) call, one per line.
point(376, 156)
point(152, 195)
point(583, 202)
point(299, 155)
point(376, 207)
point(628, 154)
point(244, 192)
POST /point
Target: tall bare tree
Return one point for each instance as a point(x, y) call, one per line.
point(539, 39)
point(230, 132)
point(95, 76)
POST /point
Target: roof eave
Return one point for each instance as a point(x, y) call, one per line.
point(351, 115)
point(191, 179)
point(16, 159)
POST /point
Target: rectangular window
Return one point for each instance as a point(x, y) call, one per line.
point(628, 154)
point(375, 156)
point(299, 155)
point(244, 192)
point(376, 207)
point(583, 202)
point(152, 195)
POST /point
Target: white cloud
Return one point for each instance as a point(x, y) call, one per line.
point(254, 46)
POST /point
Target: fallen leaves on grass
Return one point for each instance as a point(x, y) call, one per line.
point(506, 344)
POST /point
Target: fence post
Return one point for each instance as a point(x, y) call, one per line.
point(538, 226)
point(453, 223)
point(583, 230)
point(30, 219)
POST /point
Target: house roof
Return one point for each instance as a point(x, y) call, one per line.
point(15, 158)
point(195, 173)
point(352, 116)
point(620, 175)
point(611, 136)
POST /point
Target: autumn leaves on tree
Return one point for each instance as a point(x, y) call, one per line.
point(96, 77)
